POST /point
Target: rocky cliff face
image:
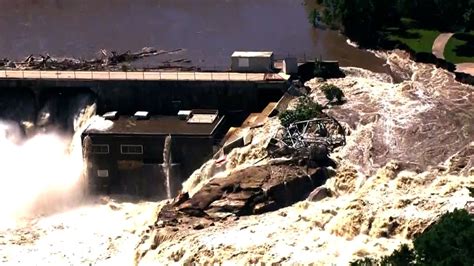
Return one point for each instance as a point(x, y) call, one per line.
point(408, 159)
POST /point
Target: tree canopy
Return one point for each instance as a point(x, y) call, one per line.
point(332, 93)
point(361, 20)
point(305, 109)
point(450, 241)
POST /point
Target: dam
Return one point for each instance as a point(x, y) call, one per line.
point(152, 154)
point(156, 92)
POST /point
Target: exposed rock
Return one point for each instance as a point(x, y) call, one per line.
point(241, 191)
point(319, 193)
point(253, 190)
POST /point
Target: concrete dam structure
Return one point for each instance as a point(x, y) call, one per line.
point(156, 92)
point(139, 156)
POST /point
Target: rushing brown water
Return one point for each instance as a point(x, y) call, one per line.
point(409, 159)
point(377, 202)
point(421, 122)
point(209, 30)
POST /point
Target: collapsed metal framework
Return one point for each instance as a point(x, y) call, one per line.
point(301, 136)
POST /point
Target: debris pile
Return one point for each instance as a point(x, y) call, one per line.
point(107, 61)
point(310, 139)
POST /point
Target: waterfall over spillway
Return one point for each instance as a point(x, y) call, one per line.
point(167, 165)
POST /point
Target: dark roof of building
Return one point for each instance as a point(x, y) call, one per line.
point(156, 125)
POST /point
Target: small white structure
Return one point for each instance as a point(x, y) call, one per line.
point(111, 115)
point(141, 115)
point(203, 117)
point(252, 61)
point(184, 114)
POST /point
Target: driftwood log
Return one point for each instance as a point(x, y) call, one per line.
point(108, 61)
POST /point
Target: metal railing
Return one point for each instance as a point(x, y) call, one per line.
point(126, 75)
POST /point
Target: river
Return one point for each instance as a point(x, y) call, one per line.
point(208, 30)
point(424, 123)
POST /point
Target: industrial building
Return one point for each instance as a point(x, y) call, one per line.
point(136, 154)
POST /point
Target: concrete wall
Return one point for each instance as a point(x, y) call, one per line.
point(164, 97)
point(142, 173)
point(255, 64)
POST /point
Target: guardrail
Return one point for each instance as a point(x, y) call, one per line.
point(123, 75)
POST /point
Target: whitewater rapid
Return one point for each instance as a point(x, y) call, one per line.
point(408, 160)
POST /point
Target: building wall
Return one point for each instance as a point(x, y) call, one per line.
point(143, 173)
point(255, 64)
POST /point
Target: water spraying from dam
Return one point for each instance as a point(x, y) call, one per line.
point(43, 201)
point(42, 174)
point(167, 161)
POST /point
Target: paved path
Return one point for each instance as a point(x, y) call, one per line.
point(440, 43)
point(438, 50)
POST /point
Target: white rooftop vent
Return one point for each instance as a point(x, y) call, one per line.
point(111, 115)
point(184, 114)
point(141, 115)
point(202, 119)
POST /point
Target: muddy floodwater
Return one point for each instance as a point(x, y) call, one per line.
point(208, 30)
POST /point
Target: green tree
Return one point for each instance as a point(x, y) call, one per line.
point(305, 109)
point(360, 19)
point(450, 241)
point(402, 256)
point(332, 93)
point(363, 20)
point(314, 17)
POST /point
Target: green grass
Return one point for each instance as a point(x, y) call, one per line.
point(411, 34)
point(460, 48)
point(422, 40)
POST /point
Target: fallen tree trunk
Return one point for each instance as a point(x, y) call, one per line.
point(113, 61)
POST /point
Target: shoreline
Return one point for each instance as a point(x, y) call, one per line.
point(422, 57)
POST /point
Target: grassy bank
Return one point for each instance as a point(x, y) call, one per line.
point(412, 35)
point(460, 48)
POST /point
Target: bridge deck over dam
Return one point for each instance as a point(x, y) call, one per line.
point(137, 75)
